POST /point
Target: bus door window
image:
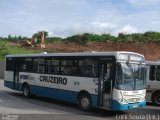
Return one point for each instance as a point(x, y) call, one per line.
point(158, 73)
point(107, 77)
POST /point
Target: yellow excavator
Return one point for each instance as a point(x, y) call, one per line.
point(33, 42)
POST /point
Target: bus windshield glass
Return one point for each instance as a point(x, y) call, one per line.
point(130, 76)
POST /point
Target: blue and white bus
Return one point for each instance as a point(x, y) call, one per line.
point(153, 82)
point(109, 80)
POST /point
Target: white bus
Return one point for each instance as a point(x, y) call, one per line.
point(153, 81)
point(109, 80)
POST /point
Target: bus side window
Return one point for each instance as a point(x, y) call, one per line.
point(39, 65)
point(52, 66)
point(158, 73)
point(9, 64)
point(88, 67)
point(25, 65)
point(152, 73)
point(69, 67)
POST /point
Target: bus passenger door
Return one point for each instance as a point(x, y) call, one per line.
point(16, 77)
point(105, 85)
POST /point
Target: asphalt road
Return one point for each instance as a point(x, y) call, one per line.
point(14, 106)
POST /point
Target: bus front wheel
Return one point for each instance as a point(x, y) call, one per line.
point(26, 91)
point(84, 102)
point(156, 99)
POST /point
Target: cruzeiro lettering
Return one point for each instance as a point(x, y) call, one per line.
point(51, 79)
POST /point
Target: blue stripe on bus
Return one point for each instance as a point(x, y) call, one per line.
point(117, 106)
point(54, 93)
point(10, 85)
point(59, 94)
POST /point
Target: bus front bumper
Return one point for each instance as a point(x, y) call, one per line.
point(117, 106)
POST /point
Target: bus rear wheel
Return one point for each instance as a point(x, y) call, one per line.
point(84, 102)
point(156, 99)
point(26, 91)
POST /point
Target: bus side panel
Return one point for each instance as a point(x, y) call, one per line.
point(8, 79)
point(63, 95)
point(78, 84)
point(94, 100)
point(8, 84)
point(48, 86)
point(59, 94)
point(68, 93)
point(8, 76)
point(149, 95)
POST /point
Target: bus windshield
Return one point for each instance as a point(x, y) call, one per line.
point(130, 76)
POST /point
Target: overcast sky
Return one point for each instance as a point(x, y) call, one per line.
point(68, 17)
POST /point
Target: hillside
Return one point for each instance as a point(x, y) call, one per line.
point(147, 43)
point(13, 48)
point(149, 50)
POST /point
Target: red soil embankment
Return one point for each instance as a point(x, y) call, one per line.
point(150, 50)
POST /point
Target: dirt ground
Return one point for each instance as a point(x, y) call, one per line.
point(150, 50)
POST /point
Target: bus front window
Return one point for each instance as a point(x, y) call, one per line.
point(130, 76)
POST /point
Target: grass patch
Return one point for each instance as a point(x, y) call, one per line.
point(6, 49)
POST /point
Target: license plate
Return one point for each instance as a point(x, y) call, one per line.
point(135, 105)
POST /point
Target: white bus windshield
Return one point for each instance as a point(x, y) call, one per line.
point(130, 76)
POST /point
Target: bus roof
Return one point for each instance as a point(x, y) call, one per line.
point(90, 53)
point(152, 62)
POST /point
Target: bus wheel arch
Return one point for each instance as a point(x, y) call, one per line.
point(26, 89)
point(84, 100)
point(156, 98)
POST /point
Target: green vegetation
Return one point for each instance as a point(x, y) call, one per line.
point(88, 38)
point(54, 40)
point(3, 50)
point(122, 37)
point(150, 36)
point(6, 48)
point(15, 38)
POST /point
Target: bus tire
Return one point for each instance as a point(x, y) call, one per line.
point(84, 102)
point(156, 98)
point(26, 91)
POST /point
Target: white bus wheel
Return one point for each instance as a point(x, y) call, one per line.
point(156, 99)
point(26, 91)
point(85, 102)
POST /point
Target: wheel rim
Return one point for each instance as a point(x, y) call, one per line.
point(157, 99)
point(26, 91)
point(85, 102)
